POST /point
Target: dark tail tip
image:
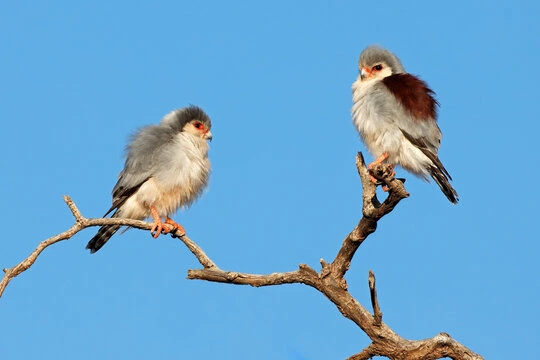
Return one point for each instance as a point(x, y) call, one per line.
point(442, 180)
point(101, 238)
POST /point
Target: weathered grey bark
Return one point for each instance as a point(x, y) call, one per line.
point(330, 281)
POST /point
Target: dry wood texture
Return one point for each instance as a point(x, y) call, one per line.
point(330, 281)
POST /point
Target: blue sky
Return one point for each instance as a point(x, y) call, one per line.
point(275, 77)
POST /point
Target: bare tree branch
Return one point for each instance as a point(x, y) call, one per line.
point(377, 314)
point(372, 210)
point(330, 281)
point(304, 275)
point(365, 354)
point(82, 223)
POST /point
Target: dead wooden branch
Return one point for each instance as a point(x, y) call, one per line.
point(330, 281)
point(82, 223)
point(377, 314)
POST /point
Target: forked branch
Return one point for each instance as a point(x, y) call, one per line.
point(82, 223)
point(330, 281)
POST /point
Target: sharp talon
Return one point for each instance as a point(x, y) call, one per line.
point(176, 227)
point(174, 236)
point(155, 231)
point(165, 230)
point(380, 160)
point(157, 228)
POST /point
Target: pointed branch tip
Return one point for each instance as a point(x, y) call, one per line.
point(377, 314)
point(74, 210)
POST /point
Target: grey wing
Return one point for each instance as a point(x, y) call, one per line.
point(143, 155)
point(437, 171)
point(420, 144)
point(426, 132)
point(127, 185)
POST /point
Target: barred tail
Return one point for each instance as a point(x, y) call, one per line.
point(441, 179)
point(102, 236)
point(436, 169)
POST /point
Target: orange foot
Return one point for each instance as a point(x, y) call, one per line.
point(384, 187)
point(378, 161)
point(176, 226)
point(156, 229)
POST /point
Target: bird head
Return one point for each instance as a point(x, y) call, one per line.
point(198, 128)
point(378, 63)
point(191, 119)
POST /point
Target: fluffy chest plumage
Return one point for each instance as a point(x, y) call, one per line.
point(374, 114)
point(180, 177)
point(188, 166)
point(361, 111)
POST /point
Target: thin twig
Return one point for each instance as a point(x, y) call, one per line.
point(82, 223)
point(365, 354)
point(377, 314)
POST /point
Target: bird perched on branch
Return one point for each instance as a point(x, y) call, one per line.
point(395, 113)
point(167, 167)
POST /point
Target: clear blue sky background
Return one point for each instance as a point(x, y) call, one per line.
point(78, 77)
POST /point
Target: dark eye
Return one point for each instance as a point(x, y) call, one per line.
point(377, 67)
point(198, 125)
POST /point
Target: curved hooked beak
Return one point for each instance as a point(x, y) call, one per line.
point(365, 72)
point(208, 135)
